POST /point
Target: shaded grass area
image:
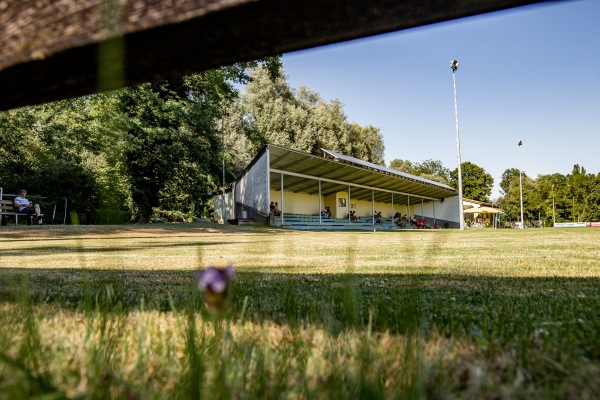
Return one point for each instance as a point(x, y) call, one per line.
point(114, 312)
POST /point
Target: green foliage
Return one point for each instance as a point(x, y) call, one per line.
point(158, 149)
point(19, 148)
point(272, 112)
point(573, 197)
point(592, 201)
point(44, 153)
point(509, 178)
point(402, 165)
point(169, 155)
point(433, 170)
point(477, 184)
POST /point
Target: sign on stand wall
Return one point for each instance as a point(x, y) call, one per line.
point(570, 224)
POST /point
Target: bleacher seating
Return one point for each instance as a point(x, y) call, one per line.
point(305, 221)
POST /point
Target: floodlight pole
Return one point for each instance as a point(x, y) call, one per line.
point(223, 165)
point(553, 209)
point(461, 214)
point(521, 185)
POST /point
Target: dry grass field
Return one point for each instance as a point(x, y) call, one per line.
point(115, 312)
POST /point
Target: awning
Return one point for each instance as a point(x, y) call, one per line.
point(483, 210)
point(337, 173)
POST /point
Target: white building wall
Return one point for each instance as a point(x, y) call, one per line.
point(446, 211)
point(252, 189)
point(440, 211)
point(218, 214)
point(297, 203)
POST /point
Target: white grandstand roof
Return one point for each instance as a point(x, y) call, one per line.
point(336, 171)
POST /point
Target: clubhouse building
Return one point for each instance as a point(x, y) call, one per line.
point(303, 185)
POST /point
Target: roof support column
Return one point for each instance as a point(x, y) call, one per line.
point(422, 215)
point(373, 206)
point(349, 220)
point(281, 208)
point(408, 208)
point(320, 205)
point(433, 206)
point(268, 180)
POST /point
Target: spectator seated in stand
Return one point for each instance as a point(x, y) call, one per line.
point(276, 211)
point(378, 219)
point(353, 216)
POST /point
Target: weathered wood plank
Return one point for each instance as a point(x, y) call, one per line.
point(54, 49)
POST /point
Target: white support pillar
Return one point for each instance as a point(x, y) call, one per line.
point(234, 214)
point(320, 205)
point(281, 208)
point(349, 220)
point(268, 179)
point(373, 206)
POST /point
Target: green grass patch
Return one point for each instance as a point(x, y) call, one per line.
point(115, 312)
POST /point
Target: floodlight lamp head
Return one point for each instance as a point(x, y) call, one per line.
point(454, 65)
point(520, 143)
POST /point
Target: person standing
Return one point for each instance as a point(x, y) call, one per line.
point(24, 206)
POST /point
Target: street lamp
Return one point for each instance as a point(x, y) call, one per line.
point(521, 185)
point(223, 166)
point(461, 214)
point(553, 209)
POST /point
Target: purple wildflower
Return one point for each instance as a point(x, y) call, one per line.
point(214, 282)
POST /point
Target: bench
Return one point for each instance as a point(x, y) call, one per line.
point(7, 209)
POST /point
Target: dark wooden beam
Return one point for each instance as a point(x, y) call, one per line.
point(56, 49)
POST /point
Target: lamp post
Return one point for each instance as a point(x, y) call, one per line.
point(553, 209)
point(461, 214)
point(521, 185)
point(223, 166)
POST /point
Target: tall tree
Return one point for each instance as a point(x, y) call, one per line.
point(509, 177)
point(580, 182)
point(48, 148)
point(275, 113)
point(172, 139)
point(433, 170)
point(402, 166)
point(477, 184)
point(592, 210)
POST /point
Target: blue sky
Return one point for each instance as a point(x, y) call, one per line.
point(530, 74)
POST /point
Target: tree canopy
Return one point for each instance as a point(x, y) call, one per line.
point(476, 183)
point(156, 150)
point(429, 169)
point(573, 197)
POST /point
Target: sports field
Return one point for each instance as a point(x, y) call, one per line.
point(115, 312)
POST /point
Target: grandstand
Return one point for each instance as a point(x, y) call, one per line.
point(304, 184)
